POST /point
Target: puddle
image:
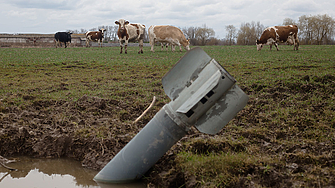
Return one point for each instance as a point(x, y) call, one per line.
point(55, 173)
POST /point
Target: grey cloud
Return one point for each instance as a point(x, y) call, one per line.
point(37, 4)
point(23, 15)
point(304, 6)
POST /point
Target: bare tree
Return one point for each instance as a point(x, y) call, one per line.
point(190, 34)
point(259, 28)
point(231, 34)
point(82, 31)
point(246, 35)
point(249, 32)
point(113, 32)
point(317, 29)
point(324, 27)
point(72, 31)
point(289, 21)
point(203, 34)
point(305, 32)
point(93, 29)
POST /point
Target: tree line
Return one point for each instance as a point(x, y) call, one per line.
point(313, 29)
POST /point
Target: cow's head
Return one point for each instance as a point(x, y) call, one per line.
point(188, 45)
point(102, 31)
point(122, 23)
point(259, 45)
point(69, 36)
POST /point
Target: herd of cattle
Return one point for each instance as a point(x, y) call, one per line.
point(173, 36)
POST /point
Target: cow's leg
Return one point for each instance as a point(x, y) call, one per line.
point(152, 44)
point(58, 44)
point(270, 46)
point(65, 44)
point(173, 48)
point(125, 46)
point(180, 48)
point(294, 44)
point(141, 46)
point(276, 45)
point(162, 46)
point(297, 43)
point(87, 43)
point(121, 46)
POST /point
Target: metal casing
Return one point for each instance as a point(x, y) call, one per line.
point(202, 94)
point(143, 151)
point(196, 84)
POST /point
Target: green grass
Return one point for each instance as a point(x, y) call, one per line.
point(290, 117)
point(51, 73)
point(24, 70)
point(218, 169)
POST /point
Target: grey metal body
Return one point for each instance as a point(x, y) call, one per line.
point(203, 94)
point(143, 151)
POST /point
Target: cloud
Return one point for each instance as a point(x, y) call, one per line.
point(301, 6)
point(20, 16)
point(38, 4)
point(239, 4)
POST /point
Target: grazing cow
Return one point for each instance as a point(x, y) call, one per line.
point(273, 35)
point(62, 37)
point(169, 34)
point(130, 33)
point(95, 36)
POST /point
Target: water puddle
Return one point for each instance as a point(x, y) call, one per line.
point(55, 173)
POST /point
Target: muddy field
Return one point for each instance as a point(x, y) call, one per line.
point(284, 137)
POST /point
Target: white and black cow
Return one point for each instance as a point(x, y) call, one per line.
point(273, 35)
point(62, 37)
point(130, 33)
point(95, 36)
point(167, 34)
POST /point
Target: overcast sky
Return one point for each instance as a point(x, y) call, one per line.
point(50, 16)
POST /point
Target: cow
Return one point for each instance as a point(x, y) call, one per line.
point(62, 37)
point(130, 33)
point(273, 35)
point(167, 34)
point(95, 36)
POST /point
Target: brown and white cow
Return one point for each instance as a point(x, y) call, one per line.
point(167, 34)
point(273, 35)
point(130, 33)
point(96, 36)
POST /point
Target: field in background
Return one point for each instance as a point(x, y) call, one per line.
point(284, 137)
